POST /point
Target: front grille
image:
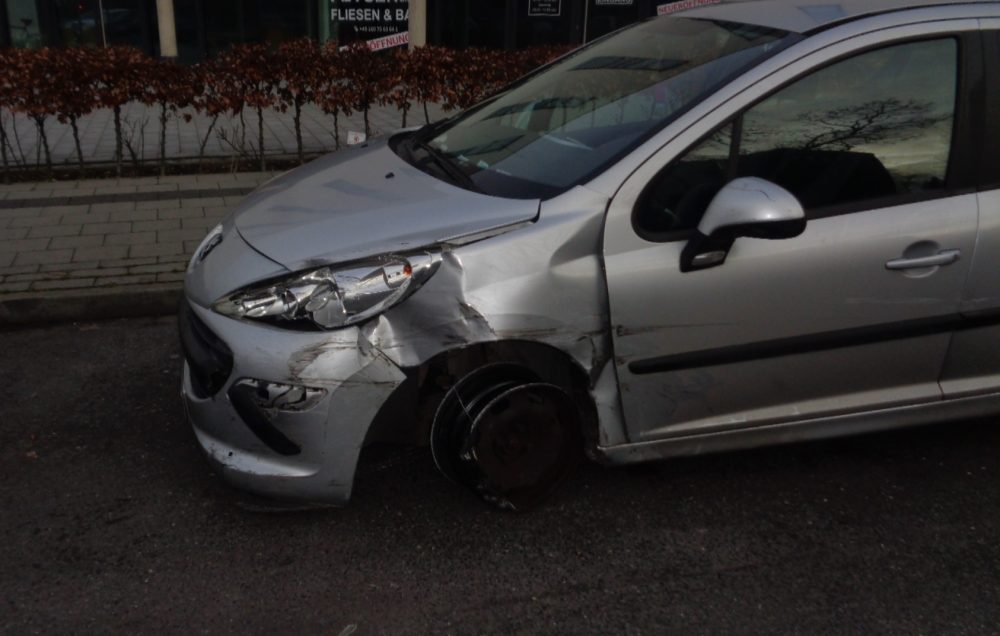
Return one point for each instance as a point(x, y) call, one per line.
point(210, 360)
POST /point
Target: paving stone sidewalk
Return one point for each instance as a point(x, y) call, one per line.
point(107, 248)
point(113, 235)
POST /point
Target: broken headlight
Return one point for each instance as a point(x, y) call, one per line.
point(333, 297)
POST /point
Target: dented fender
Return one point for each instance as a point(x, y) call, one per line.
point(541, 283)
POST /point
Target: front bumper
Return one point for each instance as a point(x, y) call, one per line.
point(348, 379)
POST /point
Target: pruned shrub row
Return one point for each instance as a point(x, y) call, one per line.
point(67, 84)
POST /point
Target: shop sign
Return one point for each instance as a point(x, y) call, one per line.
point(683, 5)
point(389, 41)
point(614, 3)
point(381, 23)
point(545, 8)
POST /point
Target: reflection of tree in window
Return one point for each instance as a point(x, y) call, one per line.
point(868, 123)
point(677, 199)
point(874, 126)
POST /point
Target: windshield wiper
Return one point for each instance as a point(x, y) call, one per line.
point(447, 165)
point(428, 131)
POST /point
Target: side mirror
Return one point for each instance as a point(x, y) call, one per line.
point(749, 207)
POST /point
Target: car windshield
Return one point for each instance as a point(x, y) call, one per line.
point(566, 124)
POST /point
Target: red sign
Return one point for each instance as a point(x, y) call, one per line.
point(389, 41)
point(683, 5)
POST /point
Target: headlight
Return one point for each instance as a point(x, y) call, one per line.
point(333, 297)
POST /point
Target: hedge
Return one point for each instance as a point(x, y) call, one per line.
point(67, 84)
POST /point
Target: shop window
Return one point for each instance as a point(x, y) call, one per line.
point(186, 20)
point(25, 29)
point(464, 23)
point(225, 24)
point(126, 22)
point(77, 23)
point(282, 21)
point(537, 30)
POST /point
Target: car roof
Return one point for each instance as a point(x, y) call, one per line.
point(805, 16)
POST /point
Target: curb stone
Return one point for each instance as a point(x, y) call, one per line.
point(136, 301)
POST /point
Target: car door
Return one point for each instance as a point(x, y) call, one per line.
point(843, 318)
point(972, 366)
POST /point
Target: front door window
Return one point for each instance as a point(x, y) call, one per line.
point(866, 132)
point(876, 126)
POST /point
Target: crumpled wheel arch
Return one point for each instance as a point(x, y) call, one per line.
point(427, 384)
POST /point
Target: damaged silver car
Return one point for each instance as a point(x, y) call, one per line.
point(742, 224)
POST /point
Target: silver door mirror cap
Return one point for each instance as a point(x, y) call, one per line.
point(750, 207)
point(753, 204)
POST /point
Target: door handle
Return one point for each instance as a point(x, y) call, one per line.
point(944, 257)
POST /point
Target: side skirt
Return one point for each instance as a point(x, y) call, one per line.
point(803, 430)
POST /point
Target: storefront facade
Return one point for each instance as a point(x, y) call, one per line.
point(513, 24)
point(205, 27)
point(37, 23)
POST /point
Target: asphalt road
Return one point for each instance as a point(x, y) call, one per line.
point(110, 521)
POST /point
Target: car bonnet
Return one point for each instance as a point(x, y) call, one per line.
point(364, 202)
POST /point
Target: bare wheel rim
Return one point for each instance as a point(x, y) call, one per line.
point(525, 442)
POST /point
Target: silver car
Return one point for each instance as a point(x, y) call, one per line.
point(743, 224)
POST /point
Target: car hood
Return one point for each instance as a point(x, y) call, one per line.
point(363, 202)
